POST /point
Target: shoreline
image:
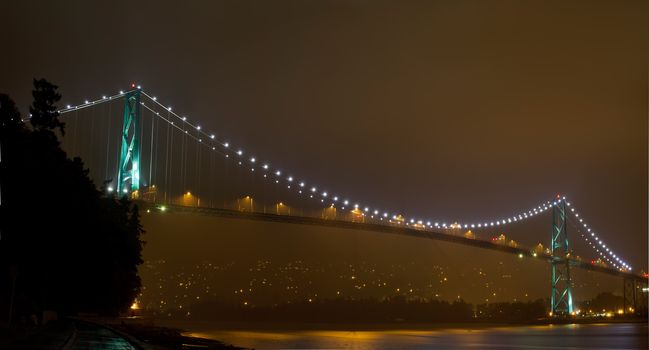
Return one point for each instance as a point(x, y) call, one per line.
point(178, 334)
point(285, 335)
point(198, 325)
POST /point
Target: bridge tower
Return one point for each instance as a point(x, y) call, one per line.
point(129, 159)
point(561, 297)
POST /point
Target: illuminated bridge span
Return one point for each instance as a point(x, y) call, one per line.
point(138, 147)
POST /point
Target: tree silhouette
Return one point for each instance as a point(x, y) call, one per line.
point(74, 249)
point(43, 114)
point(9, 114)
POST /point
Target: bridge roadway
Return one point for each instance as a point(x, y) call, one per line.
point(386, 228)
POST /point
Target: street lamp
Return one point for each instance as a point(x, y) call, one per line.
point(245, 199)
point(278, 207)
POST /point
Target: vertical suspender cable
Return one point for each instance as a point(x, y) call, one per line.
point(211, 178)
point(151, 151)
point(74, 133)
point(107, 143)
point(91, 157)
point(182, 160)
point(198, 167)
point(263, 192)
point(117, 154)
point(222, 183)
point(156, 151)
point(181, 180)
point(171, 159)
point(141, 133)
point(166, 183)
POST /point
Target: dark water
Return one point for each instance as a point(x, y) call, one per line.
point(569, 337)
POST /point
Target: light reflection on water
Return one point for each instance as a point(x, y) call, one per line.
point(567, 337)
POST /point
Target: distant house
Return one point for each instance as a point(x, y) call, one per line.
point(502, 239)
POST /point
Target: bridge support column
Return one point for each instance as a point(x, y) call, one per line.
point(561, 296)
point(630, 305)
point(129, 160)
point(642, 299)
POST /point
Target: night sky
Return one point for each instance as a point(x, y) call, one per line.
point(461, 109)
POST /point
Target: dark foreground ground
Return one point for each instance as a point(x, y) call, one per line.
point(77, 334)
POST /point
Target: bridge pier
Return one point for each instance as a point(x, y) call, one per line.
point(129, 160)
point(561, 295)
point(635, 296)
point(629, 287)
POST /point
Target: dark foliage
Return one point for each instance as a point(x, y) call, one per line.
point(43, 114)
point(394, 309)
point(603, 301)
point(70, 248)
point(512, 312)
point(9, 114)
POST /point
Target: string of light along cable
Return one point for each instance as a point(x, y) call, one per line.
point(90, 103)
point(366, 210)
point(595, 248)
point(302, 184)
point(174, 125)
point(597, 243)
point(302, 187)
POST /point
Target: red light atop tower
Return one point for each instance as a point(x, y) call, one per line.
point(132, 85)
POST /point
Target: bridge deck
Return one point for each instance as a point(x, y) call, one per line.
point(386, 228)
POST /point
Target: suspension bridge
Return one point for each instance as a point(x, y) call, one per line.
point(136, 146)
